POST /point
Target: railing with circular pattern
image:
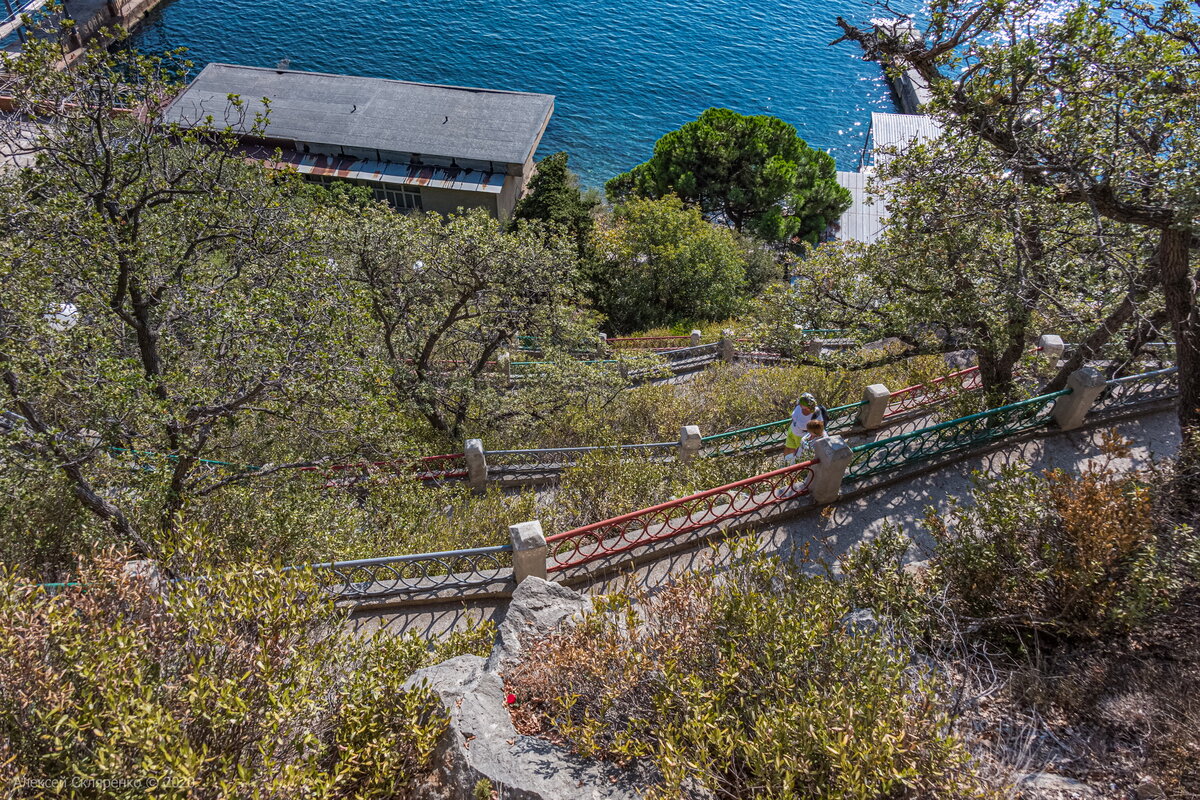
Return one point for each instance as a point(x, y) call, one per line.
point(1131, 389)
point(647, 342)
point(420, 573)
point(938, 390)
point(677, 517)
point(517, 465)
point(956, 434)
point(772, 435)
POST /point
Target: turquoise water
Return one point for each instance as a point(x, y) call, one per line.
point(624, 72)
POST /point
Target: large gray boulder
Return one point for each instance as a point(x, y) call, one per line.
point(536, 609)
point(481, 742)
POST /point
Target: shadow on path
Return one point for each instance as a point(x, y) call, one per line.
point(829, 532)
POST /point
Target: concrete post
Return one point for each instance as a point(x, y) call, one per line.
point(814, 347)
point(529, 550)
point(601, 345)
point(689, 442)
point(146, 570)
point(833, 458)
point(728, 346)
point(1052, 347)
point(505, 360)
point(876, 396)
point(477, 476)
point(1085, 384)
point(694, 339)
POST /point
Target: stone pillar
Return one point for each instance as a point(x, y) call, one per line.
point(876, 397)
point(814, 347)
point(1086, 384)
point(477, 476)
point(505, 363)
point(694, 339)
point(601, 345)
point(689, 442)
point(833, 458)
point(146, 570)
point(728, 346)
point(529, 550)
point(1052, 347)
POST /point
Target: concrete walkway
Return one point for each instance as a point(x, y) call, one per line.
point(831, 531)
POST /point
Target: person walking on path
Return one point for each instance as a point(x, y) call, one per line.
point(806, 411)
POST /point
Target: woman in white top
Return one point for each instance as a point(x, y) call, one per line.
point(806, 410)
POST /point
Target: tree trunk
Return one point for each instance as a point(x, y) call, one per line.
point(1179, 289)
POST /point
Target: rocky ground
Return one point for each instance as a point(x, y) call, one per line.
point(1113, 719)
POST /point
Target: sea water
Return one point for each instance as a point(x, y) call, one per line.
point(623, 72)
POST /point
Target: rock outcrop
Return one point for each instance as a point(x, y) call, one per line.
point(481, 743)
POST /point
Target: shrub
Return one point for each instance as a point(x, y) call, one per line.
point(1069, 554)
point(658, 262)
point(745, 684)
point(236, 685)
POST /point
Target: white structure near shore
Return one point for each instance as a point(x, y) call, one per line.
point(866, 218)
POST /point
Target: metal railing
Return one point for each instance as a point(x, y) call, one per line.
point(420, 573)
point(1130, 389)
point(956, 434)
point(772, 435)
point(938, 390)
point(676, 517)
point(647, 342)
point(686, 359)
point(517, 465)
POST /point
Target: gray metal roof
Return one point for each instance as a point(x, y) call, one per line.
point(373, 113)
point(897, 130)
point(862, 221)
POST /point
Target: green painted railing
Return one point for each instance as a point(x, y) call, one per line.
point(956, 434)
point(771, 435)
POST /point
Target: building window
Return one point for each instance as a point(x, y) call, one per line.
point(401, 198)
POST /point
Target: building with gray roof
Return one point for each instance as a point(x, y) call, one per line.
point(418, 145)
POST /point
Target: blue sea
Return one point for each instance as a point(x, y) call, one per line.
point(624, 72)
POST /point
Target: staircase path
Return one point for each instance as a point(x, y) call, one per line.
point(857, 517)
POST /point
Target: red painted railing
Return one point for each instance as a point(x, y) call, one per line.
point(677, 517)
point(910, 398)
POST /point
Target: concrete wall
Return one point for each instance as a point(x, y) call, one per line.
point(447, 201)
point(510, 193)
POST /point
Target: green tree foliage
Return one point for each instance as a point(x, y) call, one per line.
point(160, 295)
point(753, 173)
point(974, 257)
point(241, 685)
point(1097, 107)
point(553, 198)
point(448, 299)
point(659, 262)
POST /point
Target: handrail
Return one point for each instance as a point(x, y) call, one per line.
point(755, 428)
point(955, 422)
point(372, 562)
point(610, 536)
point(676, 517)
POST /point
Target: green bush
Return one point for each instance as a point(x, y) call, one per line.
point(243, 684)
point(746, 684)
